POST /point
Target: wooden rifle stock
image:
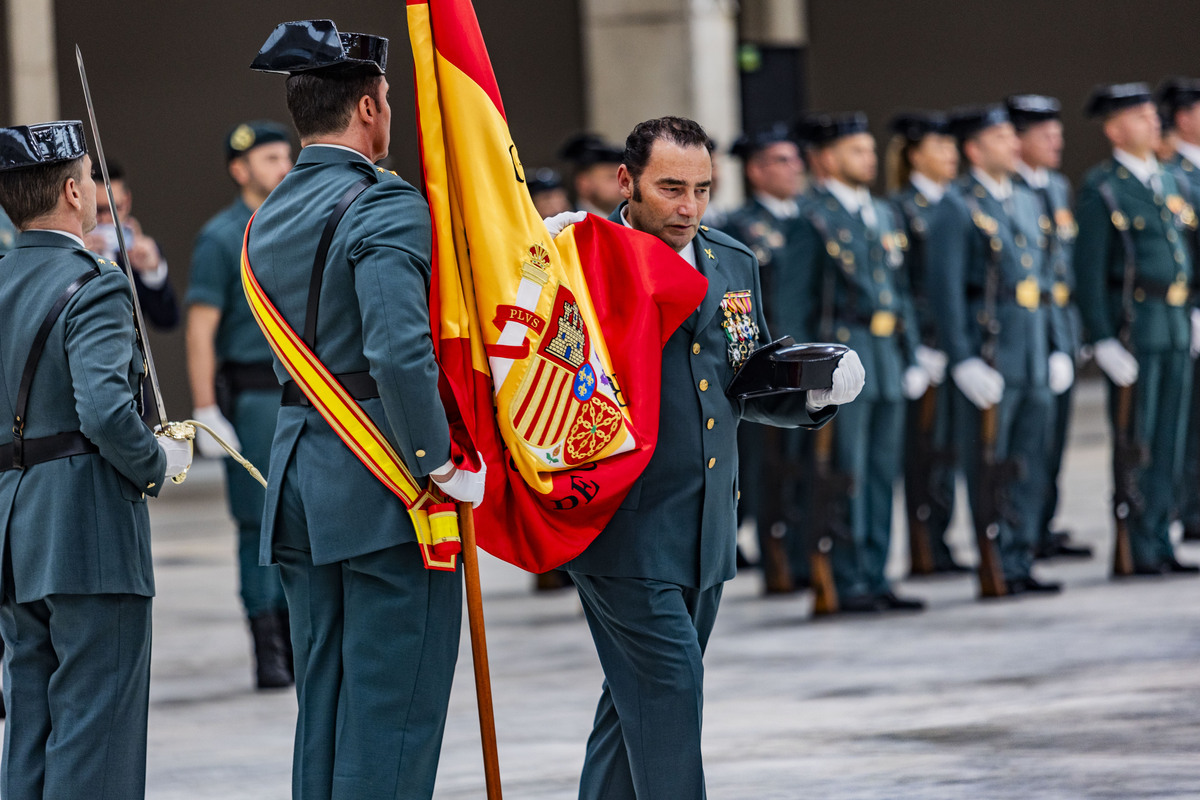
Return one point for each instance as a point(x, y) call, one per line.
point(777, 570)
point(988, 512)
point(825, 596)
point(1122, 500)
point(919, 545)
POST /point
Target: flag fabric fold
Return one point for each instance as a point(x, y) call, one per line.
point(550, 348)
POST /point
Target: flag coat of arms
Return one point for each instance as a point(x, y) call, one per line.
point(550, 348)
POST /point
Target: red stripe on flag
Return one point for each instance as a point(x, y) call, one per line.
point(559, 398)
point(537, 415)
point(457, 38)
point(537, 376)
point(562, 422)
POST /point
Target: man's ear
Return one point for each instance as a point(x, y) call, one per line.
point(239, 171)
point(71, 193)
point(625, 181)
point(367, 109)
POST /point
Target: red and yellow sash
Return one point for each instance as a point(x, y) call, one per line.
point(435, 519)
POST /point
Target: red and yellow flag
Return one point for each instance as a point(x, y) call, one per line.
point(550, 348)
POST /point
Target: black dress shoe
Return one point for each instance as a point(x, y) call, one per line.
point(950, 568)
point(1175, 567)
point(860, 604)
point(890, 601)
point(1033, 585)
point(1191, 534)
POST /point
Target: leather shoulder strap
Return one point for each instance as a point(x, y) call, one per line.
point(318, 269)
point(35, 355)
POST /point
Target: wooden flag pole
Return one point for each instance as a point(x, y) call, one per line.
point(483, 678)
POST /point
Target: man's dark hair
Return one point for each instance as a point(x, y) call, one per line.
point(115, 171)
point(677, 130)
point(28, 193)
point(323, 104)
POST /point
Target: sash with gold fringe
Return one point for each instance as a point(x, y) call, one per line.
point(434, 518)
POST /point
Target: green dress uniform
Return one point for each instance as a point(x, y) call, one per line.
point(1159, 221)
point(651, 582)
point(78, 580)
point(8, 233)
point(770, 459)
point(850, 288)
point(247, 392)
point(375, 634)
point(972, 229)
point(914, 211)
point(1058, 223)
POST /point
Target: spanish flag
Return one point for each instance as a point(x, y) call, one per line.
point(550, 348)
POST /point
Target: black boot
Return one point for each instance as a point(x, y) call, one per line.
point(270, 652)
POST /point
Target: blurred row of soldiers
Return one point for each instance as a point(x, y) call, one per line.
point(971, 293)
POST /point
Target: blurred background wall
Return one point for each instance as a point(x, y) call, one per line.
point(170, 79)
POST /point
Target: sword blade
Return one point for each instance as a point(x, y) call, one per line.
point(139, 321)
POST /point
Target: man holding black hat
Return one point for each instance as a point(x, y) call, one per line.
point(595, 180)
point(75, 467)
point(341, 251)
point(1040, 135)
point(1135, 279)
point(769, 460)
point(233, 381)
point(989, 284)
point(1179, 106)
point(849, 289)
point(923, 163)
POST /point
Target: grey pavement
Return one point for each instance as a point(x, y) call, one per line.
point(1094, 694)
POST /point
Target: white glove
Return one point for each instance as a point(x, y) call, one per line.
point(559, 222)
point(1195, 332)
point(848, 380)
point(1118, 363)
point(463, 486)
point(916, 381)
point(178, 453)
point(982, 385)
point(1061, 372)
point(933, 362)
point(213, 418)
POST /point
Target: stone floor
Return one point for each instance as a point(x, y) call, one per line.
point(1093, 694)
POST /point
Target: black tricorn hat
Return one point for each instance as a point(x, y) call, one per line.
point(315, 44)
point(819, 130)
point(968, 121)
point(1176, 94)
point(1026, 110)
point(249, 135)
point(783, 366)
point(916, 125)
point(587, 149)
point(750, 143)
point(543, 179)
point(37, 145)
point(1110, 98)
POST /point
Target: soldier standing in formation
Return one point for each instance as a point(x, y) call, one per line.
point(1040, 137)
point(75, 467)
point(923, 163)
point(988, 279)
point(233, 382)
point(595, 178)
point(1179, 106)
point(770, 459)
point(849, 288)
point(375, 633)
point(1135, 280)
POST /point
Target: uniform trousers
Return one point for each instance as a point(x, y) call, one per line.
point(650, 636)
point(1057, 444)
point(939, 475)
point(375, 639)
point(77, 688)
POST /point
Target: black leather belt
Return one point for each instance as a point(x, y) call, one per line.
point(47, 448)
point(1173, 294)
point(242, 376)
point(360, 385)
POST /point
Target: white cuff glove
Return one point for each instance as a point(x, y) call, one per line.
point(213, 418)
point(981, 384)
point(1118, 363)
point(933, 362)
point(463, 486)
point(1061, 372)
point(916, 381)
point(178, 453)
point(559, 222)
point(848, 380)
point(1195, 332)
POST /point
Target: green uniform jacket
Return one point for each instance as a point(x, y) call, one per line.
point(775, 243)
point(76, 525)
point(8, 233)
point(374, 315)
point(864, 266)
point(958, 262)
point(1159, 237)
point(915, 211)
point(678, 523)
point(1058, 222)
point(1191, 182)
